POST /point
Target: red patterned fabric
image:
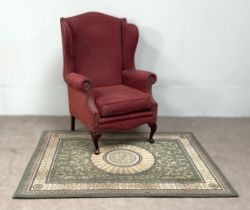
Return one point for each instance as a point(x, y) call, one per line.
point(120, 99)
point(126, 124)
point(96, 46)
point(104, 89)
point(129, 42)
point(78, 81)
point(141, 80)
point(81, 107)
point(124, 117)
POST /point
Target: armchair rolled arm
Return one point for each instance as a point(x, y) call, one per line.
point(78, 81)
point(139, 79)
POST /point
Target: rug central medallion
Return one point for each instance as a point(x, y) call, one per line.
point(123, 159)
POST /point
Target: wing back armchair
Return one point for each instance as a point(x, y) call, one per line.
point(105, 90)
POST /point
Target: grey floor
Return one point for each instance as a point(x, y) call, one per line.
point(226, 140)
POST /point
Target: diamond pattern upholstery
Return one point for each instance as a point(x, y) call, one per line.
point(120, 99)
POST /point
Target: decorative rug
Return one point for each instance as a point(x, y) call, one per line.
point(63, 166)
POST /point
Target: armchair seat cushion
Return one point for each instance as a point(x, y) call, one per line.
point(120, 99)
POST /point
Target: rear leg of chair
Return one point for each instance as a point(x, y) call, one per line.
point(153, 127)
point(95, 137)
point(73, 120)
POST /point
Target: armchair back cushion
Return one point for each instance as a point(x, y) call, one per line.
point(96, 45)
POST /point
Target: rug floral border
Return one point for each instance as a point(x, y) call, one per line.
point(22, 190)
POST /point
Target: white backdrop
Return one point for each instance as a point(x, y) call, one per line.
point(200, 50)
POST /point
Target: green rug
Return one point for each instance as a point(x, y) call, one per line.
point(64, 166)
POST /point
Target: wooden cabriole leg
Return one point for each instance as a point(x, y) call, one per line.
point(153, 127)
point(73, 120)
point(95, 138)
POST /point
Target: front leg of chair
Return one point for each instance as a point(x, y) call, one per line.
point(153, 127)
point(95, 137)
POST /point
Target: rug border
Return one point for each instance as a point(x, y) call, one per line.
point(109, 194)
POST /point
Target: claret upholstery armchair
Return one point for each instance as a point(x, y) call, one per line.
point(105, 90)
